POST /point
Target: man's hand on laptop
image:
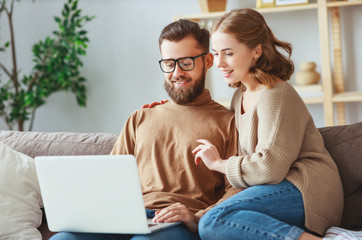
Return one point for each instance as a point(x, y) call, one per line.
point(177, 213)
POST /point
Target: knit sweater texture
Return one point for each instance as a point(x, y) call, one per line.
point(162, 139)
point(279, 140)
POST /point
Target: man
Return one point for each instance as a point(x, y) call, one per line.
point(162, 139)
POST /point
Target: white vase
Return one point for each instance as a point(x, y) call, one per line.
point(307, 74)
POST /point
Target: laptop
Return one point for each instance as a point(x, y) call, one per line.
point(97, 194)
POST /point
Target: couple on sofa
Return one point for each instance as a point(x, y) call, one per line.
point(263, 174)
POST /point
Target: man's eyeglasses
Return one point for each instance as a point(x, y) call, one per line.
point(185, 63)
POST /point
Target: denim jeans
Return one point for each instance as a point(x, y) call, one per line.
point(178, 232)
point(270, 212)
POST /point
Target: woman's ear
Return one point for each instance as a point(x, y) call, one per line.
point(258, 51)
point(209, 60)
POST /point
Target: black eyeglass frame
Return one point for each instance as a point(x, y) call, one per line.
point(177, 61)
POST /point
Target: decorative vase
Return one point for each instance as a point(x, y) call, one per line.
point(307, 74)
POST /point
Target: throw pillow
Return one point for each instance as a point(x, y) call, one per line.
point(20, 199)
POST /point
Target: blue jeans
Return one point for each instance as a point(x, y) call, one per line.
point(270, 212)
point(178, 232)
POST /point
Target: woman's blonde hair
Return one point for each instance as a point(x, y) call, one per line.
point(249, 27)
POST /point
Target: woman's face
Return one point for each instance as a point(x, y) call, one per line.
point(233, 58)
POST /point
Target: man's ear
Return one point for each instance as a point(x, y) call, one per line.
point(209, 60)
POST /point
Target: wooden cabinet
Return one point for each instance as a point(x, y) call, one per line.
point(334, 95)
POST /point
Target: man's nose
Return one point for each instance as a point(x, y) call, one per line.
point(178, 71)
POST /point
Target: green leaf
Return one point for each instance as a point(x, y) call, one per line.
point(87, 18)
point(29, 99)
point(57, 19)
point(66, 8)
point(77, 13)
point(75, 5)
point(82, 32)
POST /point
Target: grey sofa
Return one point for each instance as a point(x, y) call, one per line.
point(343, 142)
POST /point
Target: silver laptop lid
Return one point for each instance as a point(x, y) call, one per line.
point(99, 193)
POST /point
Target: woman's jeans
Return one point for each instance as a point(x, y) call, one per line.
point(257, 213)
point(178, 232)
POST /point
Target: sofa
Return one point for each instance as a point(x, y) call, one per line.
point(343, 142)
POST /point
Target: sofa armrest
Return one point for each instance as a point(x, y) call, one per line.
point(344, 143)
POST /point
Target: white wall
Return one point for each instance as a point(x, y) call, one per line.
point(121, 63)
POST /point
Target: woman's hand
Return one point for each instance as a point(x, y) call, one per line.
point(154, 104)
point(177, 213)
point(209, 154)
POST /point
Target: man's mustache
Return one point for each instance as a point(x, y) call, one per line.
point(179, 79)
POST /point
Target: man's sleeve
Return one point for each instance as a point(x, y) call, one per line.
point(125, 143)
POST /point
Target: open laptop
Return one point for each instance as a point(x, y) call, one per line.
point(98, 193)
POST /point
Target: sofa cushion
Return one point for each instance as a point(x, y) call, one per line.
point(344, 143)
point(20, 199)
point(59, 143)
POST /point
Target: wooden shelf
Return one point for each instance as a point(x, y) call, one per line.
point(337, 98)
point(331, 94)
point(212, 15)
point(288, 8)
point(311, 94)
point(313, 100)
point(308, 100)
point(347, 97)
point(201, 16)
point(343, 3)
point(308, 88)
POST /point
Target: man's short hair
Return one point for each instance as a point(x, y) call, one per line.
point(178, 30)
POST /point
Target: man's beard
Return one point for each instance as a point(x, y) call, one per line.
point(185, 95)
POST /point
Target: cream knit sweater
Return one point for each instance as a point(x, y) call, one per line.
point(278, 140)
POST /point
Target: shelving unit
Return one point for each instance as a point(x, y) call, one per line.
point(334, 96)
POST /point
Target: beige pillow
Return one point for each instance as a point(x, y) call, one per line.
point(20, 199)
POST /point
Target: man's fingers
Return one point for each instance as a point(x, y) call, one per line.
point(169, 213)
point(175, 218)
point(165, 216)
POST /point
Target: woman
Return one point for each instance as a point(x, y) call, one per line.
point(292, 185)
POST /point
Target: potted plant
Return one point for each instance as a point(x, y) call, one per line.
point(56, 67)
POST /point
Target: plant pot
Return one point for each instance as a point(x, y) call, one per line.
point(212, 5)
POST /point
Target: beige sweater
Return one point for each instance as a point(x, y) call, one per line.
point(162, 139)
point(278, 140)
